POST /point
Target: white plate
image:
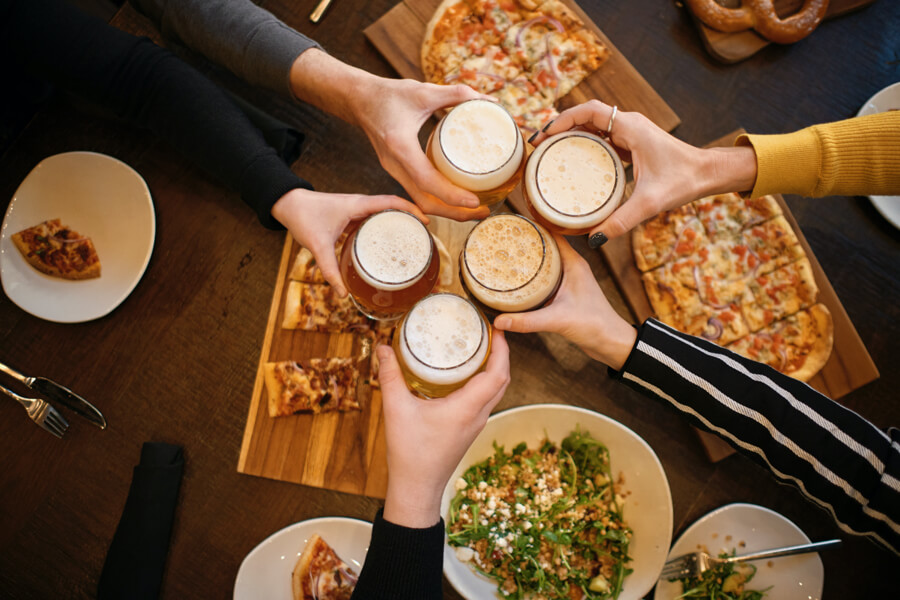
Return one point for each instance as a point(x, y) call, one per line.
point(885, 100)
point(798, 577)
point(648, 510)
point(99, 197)
point(266, 571)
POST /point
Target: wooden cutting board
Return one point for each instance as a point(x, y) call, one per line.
point(399, 33)
point(735, 47)
point(850, 365)
point(338, 451)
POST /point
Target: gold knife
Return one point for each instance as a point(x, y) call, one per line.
point(319, 11)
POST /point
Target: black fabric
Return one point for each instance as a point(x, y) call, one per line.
point(136, 558)
point(150, 87)
point(287, 141)
point(402, 563)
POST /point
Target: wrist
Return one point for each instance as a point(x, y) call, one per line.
point(410, 505)
point(615, 339)
point(288, 203)
point(331, 85)
point(728, 170)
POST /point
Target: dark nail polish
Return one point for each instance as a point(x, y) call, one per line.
point(533, 135)
point(597, 240)
point(549, 123)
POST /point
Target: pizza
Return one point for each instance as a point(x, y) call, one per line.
point(732, 270)
point(320, 574)
point(306, 269)
point(314, 385)
point(56, 250)
point(317, 307)
point(526, 53)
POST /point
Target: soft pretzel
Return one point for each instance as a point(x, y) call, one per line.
point(761, 16)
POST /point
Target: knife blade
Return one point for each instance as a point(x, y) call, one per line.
point(61, 394)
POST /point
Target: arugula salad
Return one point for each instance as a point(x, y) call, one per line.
point(722, 582)
point(544, 523)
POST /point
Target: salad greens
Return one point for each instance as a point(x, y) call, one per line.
point(722, 582)
point(544, 523)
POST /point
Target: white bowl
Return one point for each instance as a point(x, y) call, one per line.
point(648, 509)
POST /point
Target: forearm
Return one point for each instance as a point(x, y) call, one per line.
point(402, 562)
point(839, 460)
point(332, 86)
point(247, 40)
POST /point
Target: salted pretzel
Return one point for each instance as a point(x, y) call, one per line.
point(761, 16)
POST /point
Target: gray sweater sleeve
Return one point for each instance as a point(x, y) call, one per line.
point(247, 40)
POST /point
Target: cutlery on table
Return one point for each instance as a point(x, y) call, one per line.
point(41, 412)
point(695, 563)
point(317, 13)
point(61, 394)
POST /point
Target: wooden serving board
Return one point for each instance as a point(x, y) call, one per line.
point(735, 47)
point(339, 451)
point(850, 365)
point(398, 35)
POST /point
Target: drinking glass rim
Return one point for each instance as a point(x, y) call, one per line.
point(512, 154)
point(530, 279)
point(468, 359)
point(395, 284)
point(597, 140)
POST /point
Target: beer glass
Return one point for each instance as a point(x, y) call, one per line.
point(441, 343)
point(479, 147)
point(389, 263)
point(510, 264)
point(573, 181)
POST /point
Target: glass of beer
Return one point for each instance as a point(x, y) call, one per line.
point(389, 263)
point(510, 264)
point(573, 181)
point(479, 147)
point(441, 343)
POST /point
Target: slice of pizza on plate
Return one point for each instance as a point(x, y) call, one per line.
point(320, 574)
point(56, 250)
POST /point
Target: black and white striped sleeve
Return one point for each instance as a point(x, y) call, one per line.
point(839, 460)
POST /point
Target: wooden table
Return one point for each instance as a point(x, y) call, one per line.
point(175, 361)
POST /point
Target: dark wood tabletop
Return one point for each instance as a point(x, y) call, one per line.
point(176, 361)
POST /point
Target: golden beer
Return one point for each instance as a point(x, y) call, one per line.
point(573, 181)
point(479, 147)
point(441, 343)
point(389, 263)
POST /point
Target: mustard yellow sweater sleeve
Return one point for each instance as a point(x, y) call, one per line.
point(859, 156)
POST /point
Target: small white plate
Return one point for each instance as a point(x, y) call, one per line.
point(798, 577)
point(648, 508)
point(99, 197)
point(266, 571)
point(885, 100)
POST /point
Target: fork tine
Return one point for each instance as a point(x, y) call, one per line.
point(50, 419)
point(57, 420)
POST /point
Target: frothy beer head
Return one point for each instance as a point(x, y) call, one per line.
point(479, 146)
point(574, 180)
point(444, 339)
point(510, 264)
point(391, 250)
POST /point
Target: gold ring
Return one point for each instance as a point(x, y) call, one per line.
point(612, 120)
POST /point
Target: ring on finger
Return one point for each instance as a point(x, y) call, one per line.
point(612, 120)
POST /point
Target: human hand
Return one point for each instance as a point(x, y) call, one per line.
point(426, 439)
point(316, 220)
point(391, 113)
point(579, 312)
point(667, 171)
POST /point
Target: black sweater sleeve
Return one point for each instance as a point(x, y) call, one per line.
point(836, 458)
point(402, 563)
point(148, 86)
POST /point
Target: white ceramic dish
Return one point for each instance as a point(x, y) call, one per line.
point(266, 571)
point(885, 100)
point(798, 577)
point(97, 196)
point(648, 509)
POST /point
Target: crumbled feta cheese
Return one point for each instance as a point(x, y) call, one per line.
point(464, 553)
point(482, 485)
point(460, 484)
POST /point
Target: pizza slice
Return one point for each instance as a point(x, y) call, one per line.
point(56, 250)
point(778, 294)
point(487, 72)
point(668, 236)
point(530, 109)
point(380, 334)
point(306, 269)
point(771, 244)
point(316, 385)
point(317, 307)
point(320, 574)
point(724, 216)
point(573, 57)
point(798, 345)
point(719, 325)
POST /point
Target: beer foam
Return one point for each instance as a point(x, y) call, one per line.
point(444, 339)
point(576, 176)
point(479, 136)
point(504, 252)
point(391, 248)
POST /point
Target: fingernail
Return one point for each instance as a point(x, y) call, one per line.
point(597, 240)
point(533, 135)
point(501, 322)
point(383, 352)
point(547, 126)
